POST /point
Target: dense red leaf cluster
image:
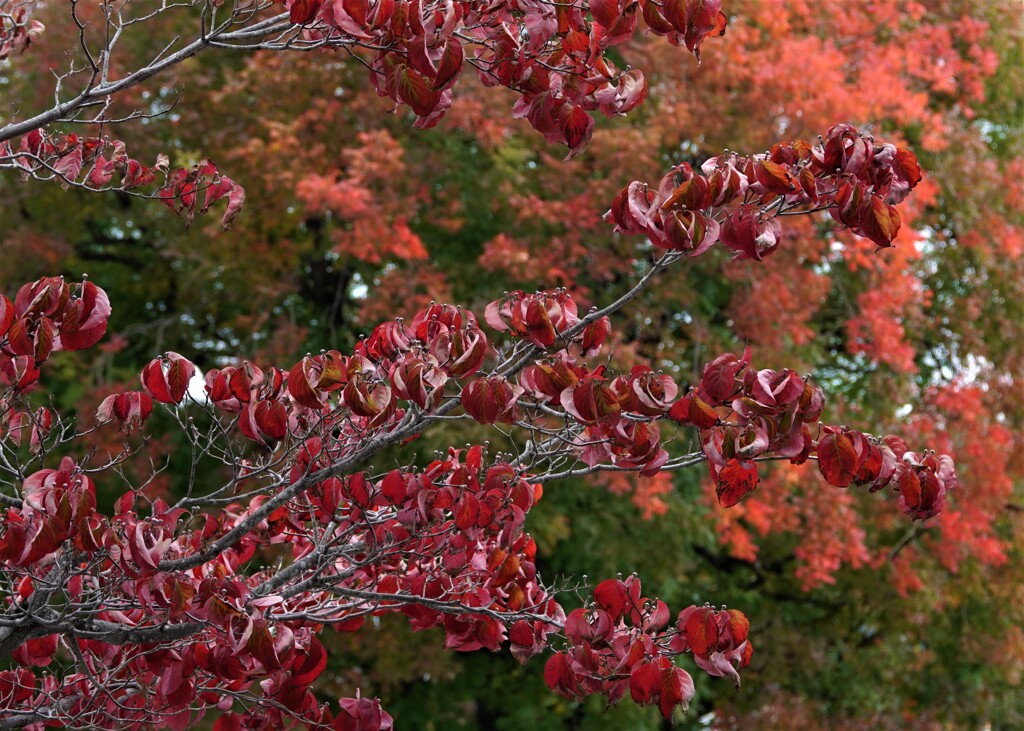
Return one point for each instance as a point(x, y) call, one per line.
point(555, 55)
point(98, 163)
point(623, 641)
point(746, 414)
point(738, 200)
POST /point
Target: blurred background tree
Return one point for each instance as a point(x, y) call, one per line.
point(865, 621)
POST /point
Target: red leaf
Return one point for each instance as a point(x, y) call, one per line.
point(577, 127)
point(719, 379)
point(466, 512)
point(228, 722)
point(692, 409)
point(703, 18)
point(612, 596)
point(300, 388)
point(450, 64)
point(92, 311)
point(179, 373)
point(605, 12)
point(414, 90)
point(303, 11)
point(595, 334)
point(507, 570)
point(521, 634)
point(676, 689)
point(774, 177)
point(702, 631)
point(167, 387)
point(51, 533)
point(6, 315)
point(735, 481)
point(583, 625)
point(738, 627)
point(271, 418)
point(393, 487)
point(358, 9)
point(307, 667)
point(645, 683)
point(838, 459)
point(261, 645)
point(559, 676)
point(879, 221)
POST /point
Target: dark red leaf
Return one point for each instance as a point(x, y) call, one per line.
point(735, 481)
point(414, 90)
point(450, 64)
point(838, 459)
point(303, 11)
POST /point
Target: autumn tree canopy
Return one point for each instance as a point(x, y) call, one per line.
point(176, 552)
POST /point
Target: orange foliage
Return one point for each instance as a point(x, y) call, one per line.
point(646, 493)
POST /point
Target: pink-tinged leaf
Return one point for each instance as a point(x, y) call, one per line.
point(906, 172)
point(658, 617)
point(101, 173)
point(92, 310)
point(718, 665)
point(493, 315)
point(584, 625)
point(223, 186)
point(69, 166)
point(676, 690)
